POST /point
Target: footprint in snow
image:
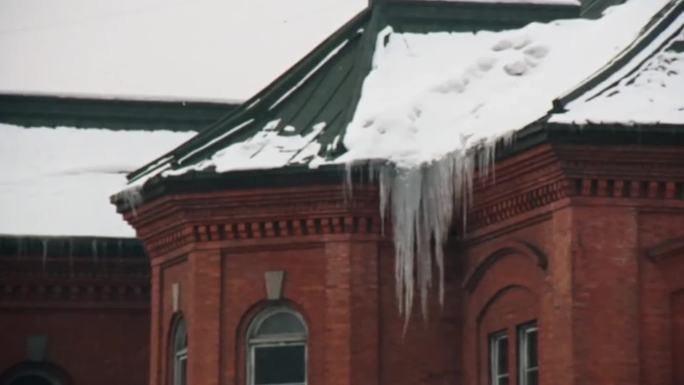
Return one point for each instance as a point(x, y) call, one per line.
point(517, 68)
point(537, 51)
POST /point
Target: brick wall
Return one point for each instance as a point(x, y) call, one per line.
point(576, 238)
point(92, 311)
point(94, 346)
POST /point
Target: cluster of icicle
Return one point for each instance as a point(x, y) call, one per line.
point(422, 202)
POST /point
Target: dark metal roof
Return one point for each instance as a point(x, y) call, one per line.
point(325, 86)
point(306, 103)
point(115, 114)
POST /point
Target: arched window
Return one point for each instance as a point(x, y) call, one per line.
point(179, 353)
point(35, 373)
point(32, 379)
point(277, 341)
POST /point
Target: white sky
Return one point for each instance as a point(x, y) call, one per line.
point(179, 49)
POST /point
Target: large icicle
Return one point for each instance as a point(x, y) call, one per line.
point(457, 93)
point(421, 202)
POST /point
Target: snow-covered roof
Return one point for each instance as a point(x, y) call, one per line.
point(57, 181)
point(204, 49)
point(420, 96)
point(644, 85)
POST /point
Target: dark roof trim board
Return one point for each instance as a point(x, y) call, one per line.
point(459, 16)
point(50, 247)
point(28, 110)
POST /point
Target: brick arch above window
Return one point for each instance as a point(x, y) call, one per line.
point(515, 247)
point(502, 272)
point(501, 296)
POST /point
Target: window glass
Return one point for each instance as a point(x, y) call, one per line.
point(277, 348)
point(279, 365)
point(528, 360)
point(180, 353)
point(181, 338)
point(502, 355)
point(281, 323)
point(532, 347)
point(498, 345)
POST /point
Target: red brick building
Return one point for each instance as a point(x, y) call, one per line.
point(74, 282)
point(567, 271)
point(70, 316)
point(269, 259)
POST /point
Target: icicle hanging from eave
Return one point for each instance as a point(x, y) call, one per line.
point(421, 202)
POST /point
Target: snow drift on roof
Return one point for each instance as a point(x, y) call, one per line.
point(430, 94)
point(58, 181)
point(203, 49)
point(648, 89)
point(428, 100)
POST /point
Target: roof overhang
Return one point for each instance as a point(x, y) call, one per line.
point(533, 135)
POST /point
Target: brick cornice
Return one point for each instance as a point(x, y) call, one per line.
point(529, 182)
point(47, 292)
point(536, 179)
point(175, 223)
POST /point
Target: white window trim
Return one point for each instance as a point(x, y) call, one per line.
point(496, 378)
point(524, 368)
point(279, 340)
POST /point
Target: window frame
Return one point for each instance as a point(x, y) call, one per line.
point(179, 356)
point(524, 368)
point(494, 347)
point(289, 339)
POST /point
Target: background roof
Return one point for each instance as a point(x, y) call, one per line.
point(56, 181)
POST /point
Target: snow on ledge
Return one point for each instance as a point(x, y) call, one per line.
point(452, 91)
point(58, 181)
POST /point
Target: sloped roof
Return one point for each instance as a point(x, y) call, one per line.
point(303, 115)
point(410, 82)
point(643, 85)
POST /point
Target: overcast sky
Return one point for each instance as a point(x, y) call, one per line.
point(178, 49)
